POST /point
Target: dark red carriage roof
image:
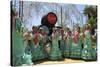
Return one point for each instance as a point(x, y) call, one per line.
point(52, 18)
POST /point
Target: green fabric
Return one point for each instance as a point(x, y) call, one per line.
point(27, 59)
point(27, 56)
point(18, 24)
point(37, 51)
point(46, 46)
point(17, 48)
point(28, 49)
point(55, 52)
point(75, 54)
point(86, 52)
point(62, 46)
point(67, 44)
point(94, 53)
point(76, 49)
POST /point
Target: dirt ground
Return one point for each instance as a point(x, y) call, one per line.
point(67, 60)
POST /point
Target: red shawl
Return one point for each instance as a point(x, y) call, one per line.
point(35, 40)
point(75, 38)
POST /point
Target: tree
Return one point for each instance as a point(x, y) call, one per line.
point(91, 13)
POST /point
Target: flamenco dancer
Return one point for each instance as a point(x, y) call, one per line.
point(55, 53)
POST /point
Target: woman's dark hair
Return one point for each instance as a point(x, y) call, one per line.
point(78, 29)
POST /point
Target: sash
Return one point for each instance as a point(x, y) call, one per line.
point(75, 38)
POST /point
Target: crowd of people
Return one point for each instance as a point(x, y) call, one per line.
point(62, 43)
point(30, 46)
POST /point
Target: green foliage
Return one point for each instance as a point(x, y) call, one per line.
point(91, 21)
point(91, 13)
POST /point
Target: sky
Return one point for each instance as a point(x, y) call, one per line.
point(36, 19)
point(81, 8)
